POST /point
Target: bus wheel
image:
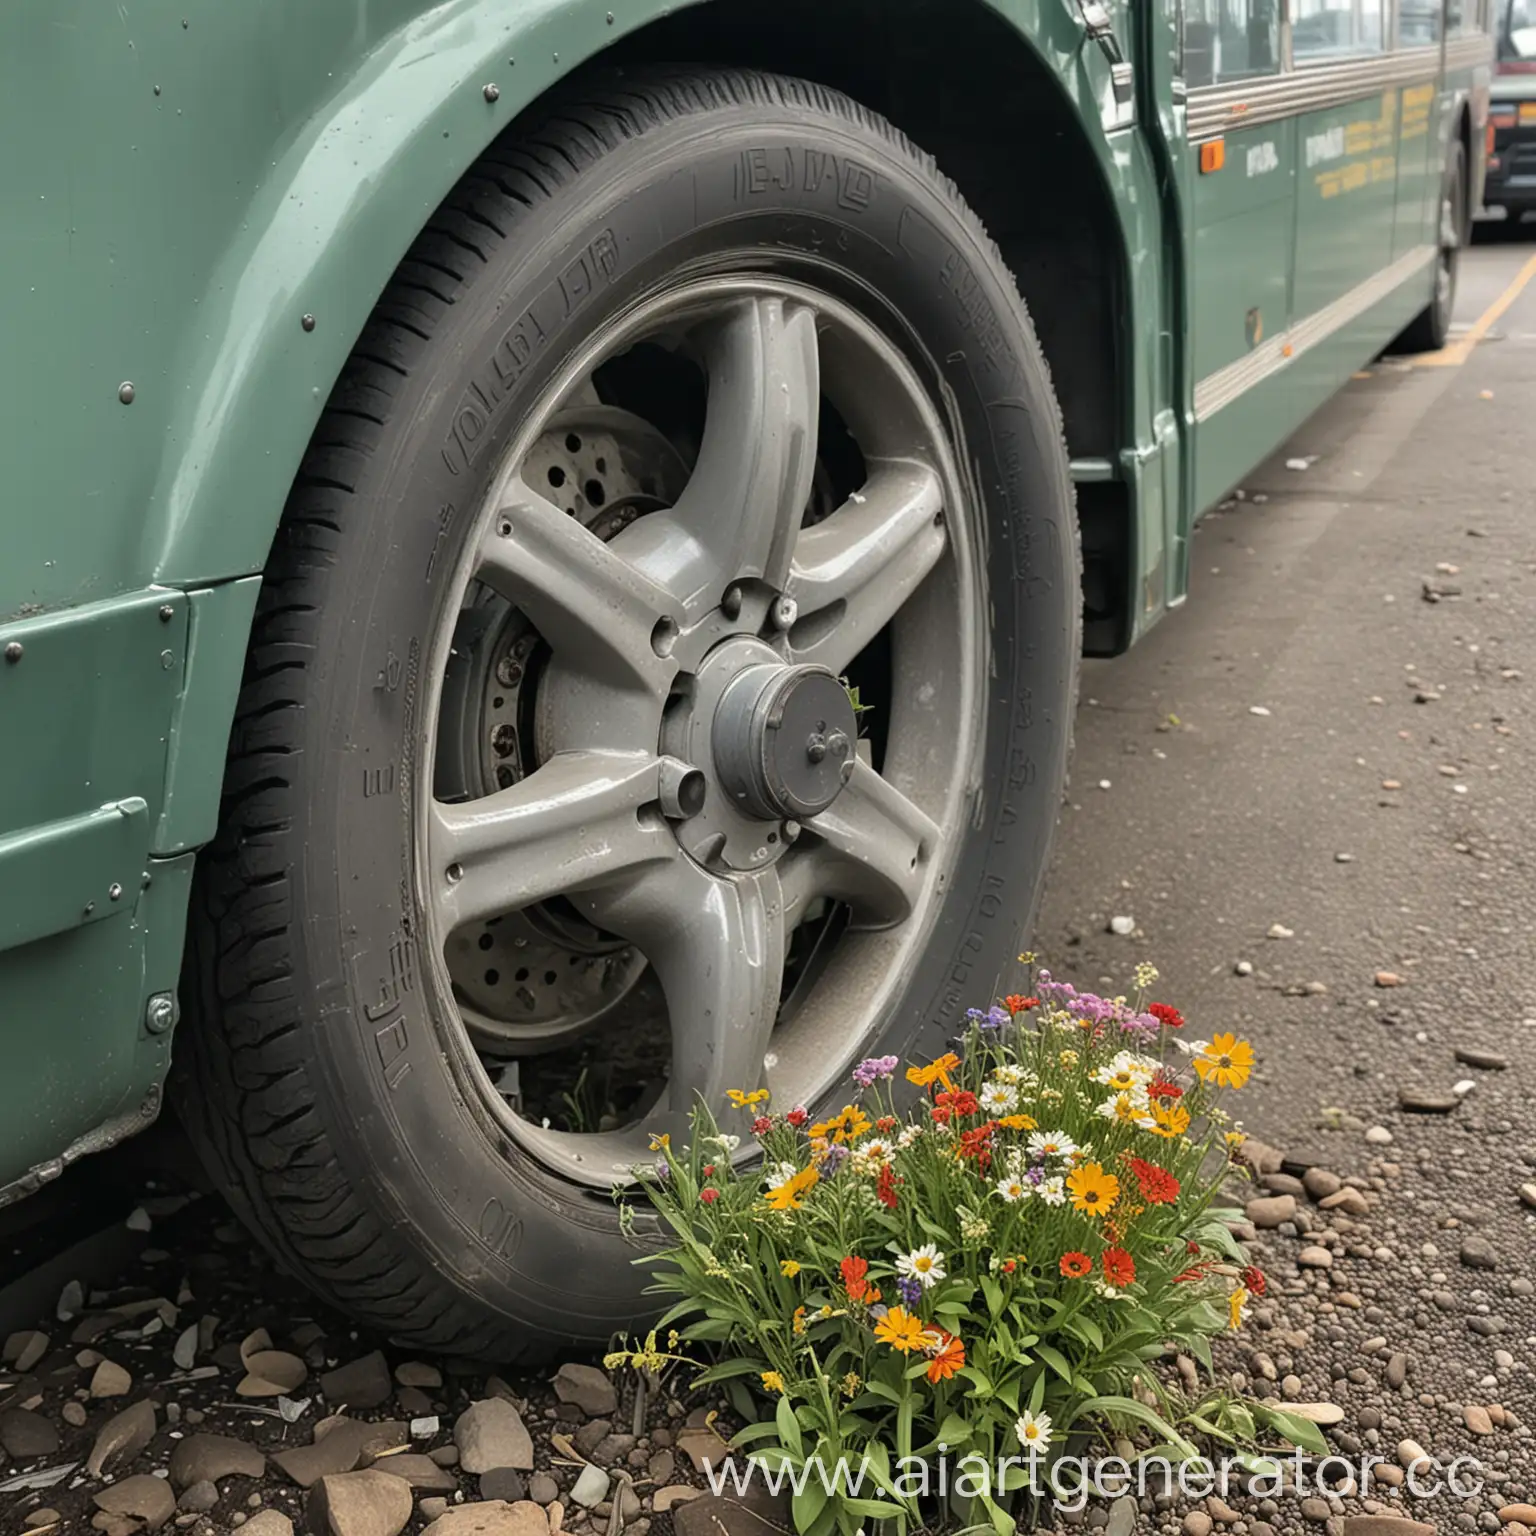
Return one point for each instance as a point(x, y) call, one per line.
point(1429, 330)
point(661, 685)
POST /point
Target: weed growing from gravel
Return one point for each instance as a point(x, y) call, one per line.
point(979, 1273)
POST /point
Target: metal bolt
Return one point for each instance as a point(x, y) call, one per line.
point(125, 392)
point(13, 652)
point(504, 740)
point(730, 604)
point(784, 612)
point(491, 92)
point(167, 613)
point(160, 1013)
point(308, 322)
point(683, 790)
point(791, 831)
point(115, 891)
point(509, 672)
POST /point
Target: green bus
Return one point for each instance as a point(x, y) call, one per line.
point(548, 546)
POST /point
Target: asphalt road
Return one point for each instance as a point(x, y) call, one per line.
point(1209, 823)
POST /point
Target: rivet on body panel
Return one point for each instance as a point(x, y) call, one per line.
point(125, 392)
point(14, 652)
point(491, 92)
point(308, 322)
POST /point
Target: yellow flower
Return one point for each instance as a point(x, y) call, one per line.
point(851, 1384)
point(772, 1381)
point(797, 1322)
point(1093, 1190)
point(1235, 1138)
point(1235, 1304)
point(1169, 1121)
point(847, 1125)
point(788, 1195)
point(746, 1100)
point(1068, 1058)
point(935, 1072)
point(661, 1143)
point(1226, 1061)
point(902, 1331)
point(1018, 1123)
point(789, 1268)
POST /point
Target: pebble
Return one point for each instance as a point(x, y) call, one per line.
point(543, 1489)
point(675, 1493)
point(363, 1383)
point(206, 1458)
point(1410, 1453)
point(23, 1350)
point(1476, 1419)
point(26, 1435)
point(1478, 1253)
point(1397, 1371)
point(588, 1388)
point(145, 1499)
point(1385, 1525)
point(272, 1373)
point(369, 1503)
point(121, 1438)
point(1320, 1183)
point(1123, 926)
point(1122, 1517)
point(1387, 979)
point(1280, 931)
point(1316, 1510)
point(417, 1373)
point(1425, 1101)
point(1268, 1211)
point(1379, 1136)
point(110, 1380)
point(344, 1443)
point(73, 1413)
point(501, 1483)
point(267, 1522)
point(1317, 1413)
point(1243, 968)
point(491, 1433)
point(1524, 1514)
point(1488, 1061)
point(1314, 1257)
point(199, 1498)
point(591, 1487)
point(1528, 1195)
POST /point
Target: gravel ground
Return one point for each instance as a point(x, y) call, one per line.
point(1310, 793)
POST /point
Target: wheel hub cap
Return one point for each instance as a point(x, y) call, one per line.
point(783, 740)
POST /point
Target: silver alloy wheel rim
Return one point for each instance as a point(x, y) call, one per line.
point(649, 632)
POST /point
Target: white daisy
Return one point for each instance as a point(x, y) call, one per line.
point(779, 1174)
point(1125, 1109)
point(1053, 1191)
point(925, 1265)
point(908, 1135)
point(1013, 1189)
point(870, 1156)
point(998, 1098)
point(1051, 1144)
point(1034, 1430)
point(1010, 1072)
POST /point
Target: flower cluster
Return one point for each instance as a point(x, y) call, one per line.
point(987, 1261)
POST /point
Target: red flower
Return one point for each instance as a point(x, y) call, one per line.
point(887, 1123)
point(977, 1144)
point(962, 1102)
point(798, 1116)
point(885, 1187)
point(1119, 1266)
point(854, 1270)
point(1164, 1088)
point(1191, 1246)
point(1158, 1186)
point(709, 1196)
point(1075, 1265)
point(762, 1125)
point(1197, 1273)
point(709, 1170)
point(1016, 1004)
point(1254, 1281)
point(1164, 1013)
point(1009, 1265)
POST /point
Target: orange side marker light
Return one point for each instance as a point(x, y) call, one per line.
point(1213, 155)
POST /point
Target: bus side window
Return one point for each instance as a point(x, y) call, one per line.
point(1331, 29)
point(1230, 40)
point(1456, 20)
point(1418, 23)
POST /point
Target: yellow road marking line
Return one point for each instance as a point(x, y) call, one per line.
point(1454, 355)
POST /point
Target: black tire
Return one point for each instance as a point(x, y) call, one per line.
point(314, 1075)
point(1430, 330)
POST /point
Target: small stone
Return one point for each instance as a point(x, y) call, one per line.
point(1387, 979)
point(184, 1354)
point(1426, 1101)
point(1314, 1257)
point(267, 1522)
point(1520, 1514)
point(1385, 1525)
point(121, 1438)
point(1197, 1523)
point(1487, 1061)
point(490, 1434)
point(587, 1387)
point(1379, 1136)
point(41, 1517)
point(110, 1380)
point(1280, 931)
point(591, 1487)
point(1478, 1253)
point(1320, 1183)
point(272, 1373)
point(496, 1518)
point(417, 1373)
point(73, 1414)
point(1122, 1517)
point(1123, 926)
point(425, 1427)
point(661, 1467)
point(1268, 1211)
point(419, 1470)
point(713, 1516)
point(543, 1489)
point(1221, 1510)
point(1260, 709)
point(673, 1494)
point(363, 1383)
point(199, 1498)
point(369, 1503)
point(26, 1436)
point(1348, 1199)
point(1316, 1510)
point(1477, 1420)
point(1528, 1195)
point(433, 1506)
point(206, 1458)
point(1317, 1413)
point(146, 1499)
point(1410, 1453)
point(71, 1299)
point(1243, 968)
point(503, 1483)
point(342, 1445)
point(23, 1350)
point(1258, 1157)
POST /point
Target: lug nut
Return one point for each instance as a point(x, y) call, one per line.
point(784, 612)
point(682, 790)
point(509, 672)
point(730, 604)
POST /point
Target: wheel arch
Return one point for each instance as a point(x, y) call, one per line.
point(326, 230)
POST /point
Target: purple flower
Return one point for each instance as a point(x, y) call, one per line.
point(996, 1017)
point(1143, 1025)
point(874, 1069)
point(911, 1290)
point(663, 1169)
point(834, 1159)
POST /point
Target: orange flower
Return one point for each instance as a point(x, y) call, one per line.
point(854, 1269)
point(1019, 1123)
point(901, 1331)
point(1075, 1265)
point(935, 1072)
point(1016, 1003)
point(1119, 1266)
point(948, 1355)
point(1093, 1191)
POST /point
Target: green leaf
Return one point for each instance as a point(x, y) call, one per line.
point(1300, 1432)
point(762, 1430)
point(994, 1294)
point(808, 1503)
point(978, 1378)
point(1054, 1358)
point(874, 1509)
point(727, 1369)
point(789, 1428)
point(1138, 1413)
